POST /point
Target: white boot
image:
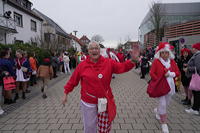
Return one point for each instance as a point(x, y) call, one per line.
point(157, 115)
point(165, 128)
point(1, 111)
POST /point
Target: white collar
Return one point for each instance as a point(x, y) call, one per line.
point(165, 63)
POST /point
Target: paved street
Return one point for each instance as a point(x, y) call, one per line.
point(134, 108)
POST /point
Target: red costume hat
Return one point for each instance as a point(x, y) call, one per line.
point(196, 46)
point(164, 46)
point(185, 50)
point(46, 60)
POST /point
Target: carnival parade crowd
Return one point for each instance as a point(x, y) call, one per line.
point(95, 70)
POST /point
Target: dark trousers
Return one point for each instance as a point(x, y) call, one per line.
point(33, 80)
point(143, 71)
point(196, 104)
point(54, 72)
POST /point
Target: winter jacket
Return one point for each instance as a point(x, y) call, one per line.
point(45, 71)
point(95, 77)
point(66, 59)
point(158, 70)
point(194, 62)
point(33, 63)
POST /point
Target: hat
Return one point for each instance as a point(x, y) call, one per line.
point(196, 46)
point(46, 60)
point(185, 50)
point(164, 46)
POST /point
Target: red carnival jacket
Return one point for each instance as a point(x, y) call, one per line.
point(95, 76)
point(158, 70)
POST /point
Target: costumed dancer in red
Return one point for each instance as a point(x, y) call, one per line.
point(95, 74)
point(164, 65)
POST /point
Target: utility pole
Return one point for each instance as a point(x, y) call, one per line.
point(75, 31)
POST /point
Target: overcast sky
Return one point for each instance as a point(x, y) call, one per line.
point(114, 20)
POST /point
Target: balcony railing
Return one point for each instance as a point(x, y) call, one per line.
point(7, 24)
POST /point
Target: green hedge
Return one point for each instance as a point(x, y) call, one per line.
point(40, 53)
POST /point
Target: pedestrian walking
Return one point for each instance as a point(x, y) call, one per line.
point(194, 67)
point(183, 63)
point(45, 72)
point(164, 67)
point(95, 74)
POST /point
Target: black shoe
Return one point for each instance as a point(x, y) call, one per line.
point(184, 100)
point(28, 91)
point(10, 101)
point(188, 102)
point(42, 89)
point(142, 77)
point(23, 95)
point(16, 97)
point(6, 101)
point(44, 96)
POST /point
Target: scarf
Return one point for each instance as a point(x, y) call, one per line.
point(20, 62)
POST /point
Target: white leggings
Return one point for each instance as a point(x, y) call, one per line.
point(66, 67)
point(163, 103)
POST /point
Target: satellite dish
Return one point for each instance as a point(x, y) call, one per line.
point(7, 14)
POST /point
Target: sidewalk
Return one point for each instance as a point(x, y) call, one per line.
point(35, 91)
point(134, 111)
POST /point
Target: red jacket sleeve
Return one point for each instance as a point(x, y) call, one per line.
point(153, 70)
point(176, 69)
point(73, 81)
point(122, 67)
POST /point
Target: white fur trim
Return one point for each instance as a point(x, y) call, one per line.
point(167, 48)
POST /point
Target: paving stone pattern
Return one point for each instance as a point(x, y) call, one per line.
point(134, 111)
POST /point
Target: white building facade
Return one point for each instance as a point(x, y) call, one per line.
point(27, 24)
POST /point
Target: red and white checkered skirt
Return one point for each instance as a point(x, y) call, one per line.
point(104, 126)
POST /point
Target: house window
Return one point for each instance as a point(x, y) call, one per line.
point(19, 41)
point(47, 37)
point(33, 25)
point(18, 19)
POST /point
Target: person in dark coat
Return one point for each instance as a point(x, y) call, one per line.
point(144, 66)
point(194, 63)
point(182, 63)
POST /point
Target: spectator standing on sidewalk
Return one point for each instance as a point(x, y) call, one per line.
point(164, 65)
point(144, 66)
point(61, 63)
point(33, 64)
point(6, 69)
point(193, 63)
point(45, 72)
point(54, 63)
point(28, 73)
point(95, 74)
point(23, 71)
point(66, 63)
point(182, 63)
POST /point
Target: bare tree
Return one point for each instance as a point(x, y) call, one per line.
point(127, 38)
point(157, 20)
point(97, 38)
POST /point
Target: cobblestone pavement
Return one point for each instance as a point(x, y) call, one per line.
point(134, 111)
